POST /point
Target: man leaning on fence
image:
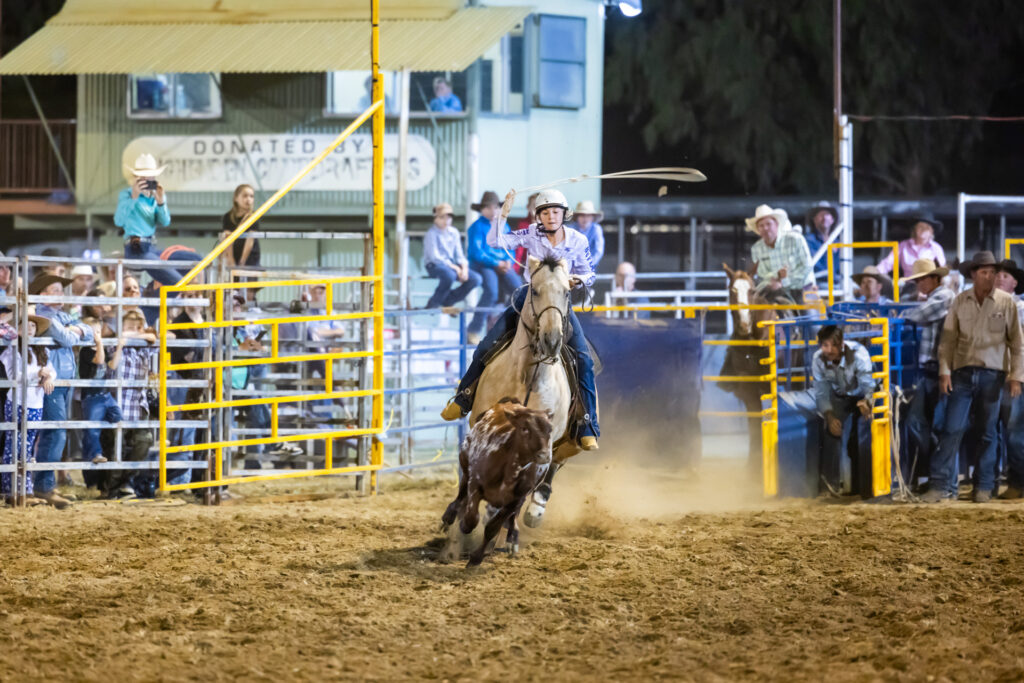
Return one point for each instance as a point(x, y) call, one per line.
point(981, 343)
point(842, 390)
point(66, 332)
point(928, 318)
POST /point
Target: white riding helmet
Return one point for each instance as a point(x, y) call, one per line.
point(549, 198)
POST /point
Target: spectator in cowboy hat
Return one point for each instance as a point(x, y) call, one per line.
point(821, 220)
point(875, 287)
point(921, 245)
point(980, 350)
point(1010, 279)
point(588, 221)
point(782, 258)
point(492, 264)
point(443, 259)
point(141, 209)
point(924, 401)
point(66, 333)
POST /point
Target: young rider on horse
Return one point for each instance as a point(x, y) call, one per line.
point(546, 238)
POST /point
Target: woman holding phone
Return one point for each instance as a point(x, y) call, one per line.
point(141, 209)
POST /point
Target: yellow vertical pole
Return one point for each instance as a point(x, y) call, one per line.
point(770, 426)
point(831, 295)
point(377, 419)
point(164, 361)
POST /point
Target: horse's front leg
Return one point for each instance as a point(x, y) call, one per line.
point(490, 531)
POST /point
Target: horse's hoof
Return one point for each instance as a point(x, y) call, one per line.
point(534, 513)
point(474, 562)
point(513, 549)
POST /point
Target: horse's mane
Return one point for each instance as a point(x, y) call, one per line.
point(550, 261)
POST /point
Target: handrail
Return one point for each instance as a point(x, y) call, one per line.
point(258, 213)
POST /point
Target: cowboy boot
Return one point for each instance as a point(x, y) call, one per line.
point(452, 411)
point(588, 443)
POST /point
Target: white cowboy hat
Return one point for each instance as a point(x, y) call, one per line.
point(81, 270)
point(587, 207)
point(764, 211)
point(145, 167)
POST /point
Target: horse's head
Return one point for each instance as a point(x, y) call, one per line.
point(741, 293)
point(546, 311)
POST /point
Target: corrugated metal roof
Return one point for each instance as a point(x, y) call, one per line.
point(245, 11)
point(263, 46)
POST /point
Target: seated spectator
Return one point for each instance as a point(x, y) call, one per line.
point(492, 264)
point(442, 256)
point(921, 245)
point(843, 389)
point(40, 375)
point(875, 287)
point(625, 281)
point(922, 413)
point(588, 222)
point(783, 261)
point(1010, 279)
point(132, 363)
point(66, 333)
point(821, 221)
point(97, 402)
point(445, 101)
point(245, 252)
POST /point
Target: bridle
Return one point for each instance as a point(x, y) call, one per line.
point(540, 357)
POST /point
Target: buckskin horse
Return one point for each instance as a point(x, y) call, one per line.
point(504, 457)
point(532, 367)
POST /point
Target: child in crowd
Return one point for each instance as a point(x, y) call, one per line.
point(40, 376)
point(97, 402)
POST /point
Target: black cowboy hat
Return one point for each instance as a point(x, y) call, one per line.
point(1010, 266)
point(981, 258)
point(44, 280)
point(926, 217)
point(489, 198)
point(822, 206)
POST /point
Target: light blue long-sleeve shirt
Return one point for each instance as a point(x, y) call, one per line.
point(442, 247)
point(140, 217)
point(850, 377)
point(63, 357)
point(595, 239)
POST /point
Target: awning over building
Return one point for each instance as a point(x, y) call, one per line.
point(258, 36)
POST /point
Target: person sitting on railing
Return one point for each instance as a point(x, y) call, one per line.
point(67, 333)
point(781, 255)
point(588, 222)
point(40, 374)
point(141, 209)
point(1010, 279)
point(443, 259)
point(625, 281)
point(492, 265)
point(132, 363)
point(928, 317)
point(921, 245)
point(244, 252)
point(843, 389)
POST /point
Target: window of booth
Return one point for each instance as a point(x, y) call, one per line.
point(174, 96)
point(561, 61)
point(503, 75)
point(443, 93)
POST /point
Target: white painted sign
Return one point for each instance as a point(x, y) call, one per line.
point(219, 163)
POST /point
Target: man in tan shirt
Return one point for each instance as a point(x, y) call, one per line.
point(981, 342)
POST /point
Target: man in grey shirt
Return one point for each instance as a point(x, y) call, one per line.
point(981, 343)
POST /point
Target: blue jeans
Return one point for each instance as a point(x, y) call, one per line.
point(1013, 433)
point(147, 250)
point(925, 415)
point(833, 448)
point(980, 390)
point(444, 295)
point(51, 441)
point(509, 320)
point(496, 286)
point(179, 436)
point(95, 407)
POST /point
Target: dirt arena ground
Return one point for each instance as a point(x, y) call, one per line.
point(633, 577)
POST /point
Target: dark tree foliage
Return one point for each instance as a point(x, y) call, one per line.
point(749, 84)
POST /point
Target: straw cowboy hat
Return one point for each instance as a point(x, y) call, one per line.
point(872, 271)
point(444, 209)
point(587, 208)
point(145, 167)
point(981, 258)
point(923, 267)
point(44, 280)
point(42, 324)
point(81, 270)
point(1010, 266)
point(764, 211)
point(489, 199)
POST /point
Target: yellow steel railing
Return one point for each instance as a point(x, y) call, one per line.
point(376, 314)
point(1008, 244)
point(895, 246)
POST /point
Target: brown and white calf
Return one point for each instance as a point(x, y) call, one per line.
point(502, 460)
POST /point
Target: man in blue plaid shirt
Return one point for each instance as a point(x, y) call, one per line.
point(924, 403)
point(132, 363)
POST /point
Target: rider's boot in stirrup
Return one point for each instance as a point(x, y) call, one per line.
point(588, 443)
point(452, 411)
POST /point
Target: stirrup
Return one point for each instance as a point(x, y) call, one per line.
point(453, 411)
point(588, 443)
